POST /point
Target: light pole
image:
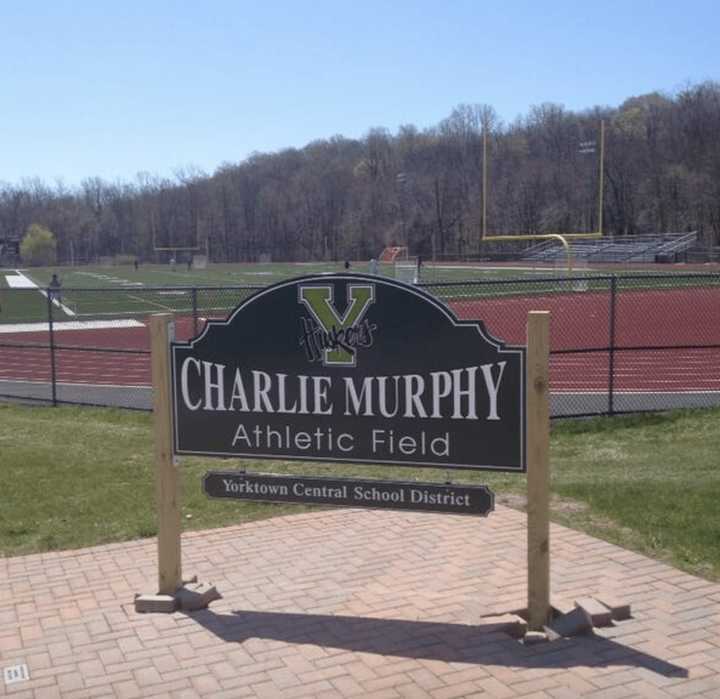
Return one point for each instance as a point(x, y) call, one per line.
point(484, 184)
point(589, 147)
point(401, 180)
point(602, 176)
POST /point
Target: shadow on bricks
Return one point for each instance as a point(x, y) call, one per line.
point(427, 640)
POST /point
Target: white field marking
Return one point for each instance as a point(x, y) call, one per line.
point(112, 280)
point(32, 285)
point(552, 290)
point(533, 270)
point(219, 308)
point(105, 313)
point(95, 275)
point(226, 309)
point(153, 303)
point(125, 313)
point(70, 325)
point(19, 281)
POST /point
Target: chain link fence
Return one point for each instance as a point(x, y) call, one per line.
point(619, 343)
point(92, 346)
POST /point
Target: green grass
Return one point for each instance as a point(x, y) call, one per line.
point(648, 483)
point(22, 305)
point(97, 277)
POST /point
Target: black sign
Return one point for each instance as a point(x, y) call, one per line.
point(350, 368)
point(351, 492)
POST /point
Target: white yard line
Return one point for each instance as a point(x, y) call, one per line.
point(28, 283)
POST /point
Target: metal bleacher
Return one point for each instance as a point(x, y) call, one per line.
point(637, 248)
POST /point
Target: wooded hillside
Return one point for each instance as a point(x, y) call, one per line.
point(344, 198)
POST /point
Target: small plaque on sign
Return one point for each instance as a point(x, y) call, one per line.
point(351, 492)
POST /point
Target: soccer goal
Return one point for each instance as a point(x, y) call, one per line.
point(403, 267)
point(393, 253)
point(407, 270)
point(199, 261)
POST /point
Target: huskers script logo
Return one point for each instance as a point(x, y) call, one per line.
point(330, 337)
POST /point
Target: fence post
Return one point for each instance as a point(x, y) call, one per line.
point(51, 336)
point(611, 354)
point(194, 312)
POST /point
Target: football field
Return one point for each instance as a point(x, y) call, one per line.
point(95, 291)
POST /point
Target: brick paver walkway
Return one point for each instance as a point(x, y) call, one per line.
point(353, 603)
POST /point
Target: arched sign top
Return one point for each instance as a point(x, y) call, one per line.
point(350, 367)
point(268, 294)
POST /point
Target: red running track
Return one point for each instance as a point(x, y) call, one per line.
point(578, 321)
point(664, 318)
point(83, 365)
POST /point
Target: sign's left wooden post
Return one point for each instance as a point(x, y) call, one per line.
point(167, 480)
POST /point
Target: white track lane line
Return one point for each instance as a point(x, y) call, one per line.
point(12, 328)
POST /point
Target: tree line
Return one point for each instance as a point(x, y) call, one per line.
point(345, 198)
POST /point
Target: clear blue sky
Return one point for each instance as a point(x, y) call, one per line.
point(112, 89)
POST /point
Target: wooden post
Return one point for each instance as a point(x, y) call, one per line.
point(167, 481)
point(538, 475)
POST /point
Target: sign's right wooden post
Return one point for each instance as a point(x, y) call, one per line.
point(538, 469)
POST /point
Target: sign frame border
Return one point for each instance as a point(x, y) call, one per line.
point(477, 325)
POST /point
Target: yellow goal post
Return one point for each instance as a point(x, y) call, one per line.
point(563, 239)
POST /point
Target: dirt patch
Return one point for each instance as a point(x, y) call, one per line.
point(568, 506)
point(517, 502)
point(557, 504)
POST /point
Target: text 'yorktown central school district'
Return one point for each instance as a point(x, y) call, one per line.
point(350, 368)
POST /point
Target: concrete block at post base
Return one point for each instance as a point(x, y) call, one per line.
point(196, 595)
point(573, 623)
point(620, 611)
point(532, 638)
point(511, 624)
point(550, 634)
point(561, 607)
point(154, 604)
point(600, 615)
